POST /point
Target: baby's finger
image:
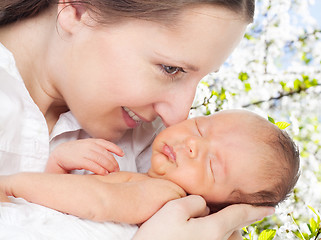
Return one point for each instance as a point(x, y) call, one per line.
point(105, 159)
point(92, 166)
point(111, 147)
point(3, 197)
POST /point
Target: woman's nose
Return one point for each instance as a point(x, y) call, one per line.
point(175, 106)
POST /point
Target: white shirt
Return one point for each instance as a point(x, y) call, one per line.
point(25, 143)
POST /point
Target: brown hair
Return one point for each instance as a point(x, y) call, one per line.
point(108, 11)
point(281, 168)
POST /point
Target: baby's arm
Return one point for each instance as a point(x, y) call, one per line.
point(90, 154)
point(121, 197)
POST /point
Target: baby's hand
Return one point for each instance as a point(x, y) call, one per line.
point(90, 154)
point(3, 192)
point(147, 196)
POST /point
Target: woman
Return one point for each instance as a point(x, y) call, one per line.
point(114, 65)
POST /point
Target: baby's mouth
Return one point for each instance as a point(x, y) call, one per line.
point(169, 152)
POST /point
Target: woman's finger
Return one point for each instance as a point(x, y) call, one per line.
point(189, 207)
point(236, 216)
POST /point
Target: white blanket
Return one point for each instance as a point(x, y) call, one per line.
point(21, 220)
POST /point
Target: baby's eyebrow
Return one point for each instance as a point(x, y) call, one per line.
point(196, 125)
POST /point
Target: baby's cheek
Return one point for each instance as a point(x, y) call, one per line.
point(160, 166)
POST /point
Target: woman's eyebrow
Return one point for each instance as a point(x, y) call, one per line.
point(179, 63)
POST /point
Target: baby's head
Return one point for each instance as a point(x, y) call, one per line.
point(233, 156)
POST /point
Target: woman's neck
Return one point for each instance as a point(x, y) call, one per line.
point(30, 42)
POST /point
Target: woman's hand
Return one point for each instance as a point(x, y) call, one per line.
point(187, 218)
point(236, 236)
point(91, 154)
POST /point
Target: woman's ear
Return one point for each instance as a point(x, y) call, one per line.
point(71, 15)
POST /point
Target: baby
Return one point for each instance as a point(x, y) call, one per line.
point(233, 156)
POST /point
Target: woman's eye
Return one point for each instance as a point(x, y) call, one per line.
point(172, 70)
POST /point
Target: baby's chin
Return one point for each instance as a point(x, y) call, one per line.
point(156, 172)
point(160, 165)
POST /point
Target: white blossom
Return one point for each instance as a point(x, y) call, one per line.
point(283, 47)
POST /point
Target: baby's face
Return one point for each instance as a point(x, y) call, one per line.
point(211, 156)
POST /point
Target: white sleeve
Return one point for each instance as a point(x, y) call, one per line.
point(143, 138)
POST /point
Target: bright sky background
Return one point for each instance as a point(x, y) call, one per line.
point(316, 11)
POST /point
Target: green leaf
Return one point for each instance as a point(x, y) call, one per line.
point(205, 83)
point(284, 86)
point(208, 112)
point(243, 76)
point(312, 209)
point(271, 119)
point(267, 234)
point(306, 236)
point(314, 82)
point(214, 93)
point(307, 59)
point(282, 125)
point(247, 87)
point(297, 84)
point(248, 36)
point(222, 94)
point(315, 212)
point(313, 226)
point(298, 234)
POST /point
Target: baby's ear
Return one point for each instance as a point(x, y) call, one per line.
point(71, 16)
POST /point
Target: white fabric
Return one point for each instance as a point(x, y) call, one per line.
point(25, 145)
point(22, 220)
point(24, 138)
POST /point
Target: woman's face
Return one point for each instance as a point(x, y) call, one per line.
point(114, 77)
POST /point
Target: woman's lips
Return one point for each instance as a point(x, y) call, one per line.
point(168, 151)
point(131, 119)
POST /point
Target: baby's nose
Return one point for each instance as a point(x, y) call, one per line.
point(192, 147)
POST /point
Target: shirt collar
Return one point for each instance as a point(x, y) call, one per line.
point(66, 123)
point(8, 62)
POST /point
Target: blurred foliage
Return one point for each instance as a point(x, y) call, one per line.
point(276, 72)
